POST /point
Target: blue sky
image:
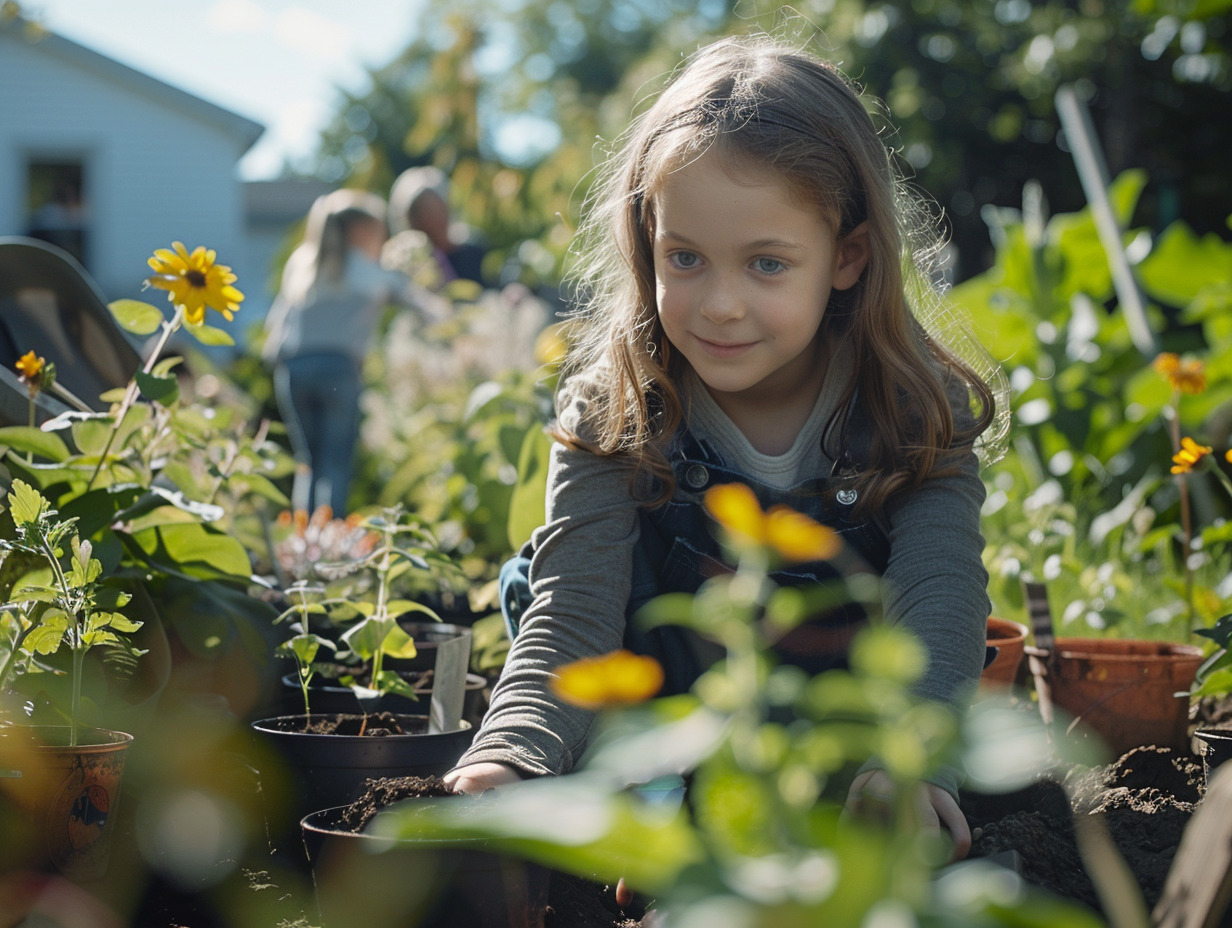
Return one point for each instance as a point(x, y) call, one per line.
point(276, 61)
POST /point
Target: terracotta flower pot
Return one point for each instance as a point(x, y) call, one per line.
point(419, 883)
point(1008, 638)
point(1126, 692)
point(64, 798)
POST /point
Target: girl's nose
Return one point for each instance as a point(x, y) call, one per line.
point(721, 303)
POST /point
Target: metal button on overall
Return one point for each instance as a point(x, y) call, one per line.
point(696, 476)
point(846, 496)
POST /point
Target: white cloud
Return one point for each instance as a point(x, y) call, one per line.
point(231, 17)
point(313, 34)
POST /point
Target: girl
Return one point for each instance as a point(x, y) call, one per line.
point(332, 296)
point(748, 320)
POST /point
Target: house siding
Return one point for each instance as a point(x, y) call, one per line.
point(158, 167)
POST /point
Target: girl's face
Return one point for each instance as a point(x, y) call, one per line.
point(368, 237)
point(744, 271)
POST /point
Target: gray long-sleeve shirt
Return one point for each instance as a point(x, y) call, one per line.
point(935, 583)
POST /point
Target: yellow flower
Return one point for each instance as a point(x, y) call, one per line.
point(30, 366)
point(620, 678)
point(551, 345)
point(1191, 453)
point(1228, 456)
point(194, 281)
point(1185, 375)
point(793, 535)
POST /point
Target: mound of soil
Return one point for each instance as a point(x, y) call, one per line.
point(1144, 799)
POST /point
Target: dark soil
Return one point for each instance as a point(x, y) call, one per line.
point(372, 725)
point(1144, 799)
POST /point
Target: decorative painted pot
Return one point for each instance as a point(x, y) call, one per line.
point(1125, 692)
point(64, 798)
point(418, 883)
point(1009, 638)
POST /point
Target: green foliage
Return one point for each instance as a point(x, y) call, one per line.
point(356, 616)
point(73, 609)
point(1085, 500)
point(161, 487)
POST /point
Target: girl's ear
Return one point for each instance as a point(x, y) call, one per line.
point(851, 257)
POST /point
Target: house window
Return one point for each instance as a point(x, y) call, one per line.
point(56, 205)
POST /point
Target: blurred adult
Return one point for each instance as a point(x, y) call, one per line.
point(419, 202)
point(333, 294)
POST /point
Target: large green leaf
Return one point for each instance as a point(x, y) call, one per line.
point(208, 335)
point(23, 438)
point(576, 824)
point(1182, 265)
point(135, 316)
point(195, 549)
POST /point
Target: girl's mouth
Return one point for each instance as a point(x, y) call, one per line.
point(723, 349)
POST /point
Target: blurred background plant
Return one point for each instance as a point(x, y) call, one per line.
point(1088, 481)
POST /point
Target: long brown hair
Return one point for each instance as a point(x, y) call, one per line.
point(759, 102)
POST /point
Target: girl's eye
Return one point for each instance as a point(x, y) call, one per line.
point(768, 265)
point(683, 260)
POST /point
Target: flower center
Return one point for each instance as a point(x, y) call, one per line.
point(195, 278)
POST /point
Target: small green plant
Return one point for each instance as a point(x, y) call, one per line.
point(363, 599)
point(73, 608)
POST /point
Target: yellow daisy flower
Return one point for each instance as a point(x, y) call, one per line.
point(1185, 375)
point(1190, 455)
point(793, 535)
point(30, 366)
point(620, 678)
point(194, 281)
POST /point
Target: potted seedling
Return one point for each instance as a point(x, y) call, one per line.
point(64, 778)
point(328, 757)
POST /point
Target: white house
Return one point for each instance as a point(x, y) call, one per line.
point(112, 164)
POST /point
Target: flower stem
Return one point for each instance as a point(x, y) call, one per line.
point(1174, 427)
point(131, 392)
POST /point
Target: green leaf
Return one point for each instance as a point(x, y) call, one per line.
point(576, 824)
point(398, 643)
point(46, 638)
point(135, 316)
point(26, 504)
point(208, 335)
point(29, 440)
point(91, 435)
point(527, 503)
point(196, 550)
point(364, 638)
point(121, 623)
point(165, 390)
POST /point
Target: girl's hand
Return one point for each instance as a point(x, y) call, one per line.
point(479, 778)
point(872, 794)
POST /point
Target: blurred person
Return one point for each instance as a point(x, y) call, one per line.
point(319, 329)
point(419, 203)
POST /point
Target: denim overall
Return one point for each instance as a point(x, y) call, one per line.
point(678, 550)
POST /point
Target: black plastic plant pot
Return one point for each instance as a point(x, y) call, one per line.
point(302, 772)
point(421, 883)
point(1216, 747)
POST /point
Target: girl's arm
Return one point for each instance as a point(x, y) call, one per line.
point(580, 577)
